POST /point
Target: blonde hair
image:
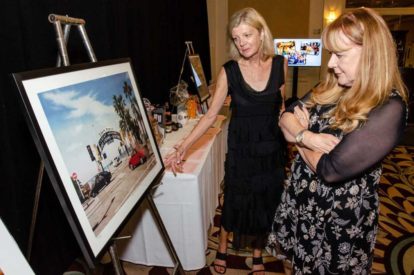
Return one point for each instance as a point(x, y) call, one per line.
point(251, 17)
point(378, 73)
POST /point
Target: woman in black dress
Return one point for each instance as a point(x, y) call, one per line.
point(254, 170)
point(327, 220)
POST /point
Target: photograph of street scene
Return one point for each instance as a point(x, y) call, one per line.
point(100, 133)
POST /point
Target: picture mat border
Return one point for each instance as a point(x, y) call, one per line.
point(30, 84)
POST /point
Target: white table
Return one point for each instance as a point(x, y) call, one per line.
point(186, 204)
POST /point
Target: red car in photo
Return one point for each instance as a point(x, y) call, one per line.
point(137, 158)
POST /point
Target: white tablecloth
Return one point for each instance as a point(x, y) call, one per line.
point(186, 204)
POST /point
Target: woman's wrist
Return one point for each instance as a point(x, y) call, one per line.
point(179, 149)
point(300, 136)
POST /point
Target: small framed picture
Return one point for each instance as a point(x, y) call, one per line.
point(199, 77)
point(94, 136)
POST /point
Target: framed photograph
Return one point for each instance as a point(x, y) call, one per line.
point(199, 77)
point(93, 134)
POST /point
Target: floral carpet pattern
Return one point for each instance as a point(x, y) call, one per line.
point(394, 250)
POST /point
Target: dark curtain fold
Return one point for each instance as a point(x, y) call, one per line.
point(150, 32)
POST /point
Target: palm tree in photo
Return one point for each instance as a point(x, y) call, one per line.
point(125, 121)
point(135, 110)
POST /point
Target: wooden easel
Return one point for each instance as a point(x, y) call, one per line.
point(189, 51)
point(62, 36)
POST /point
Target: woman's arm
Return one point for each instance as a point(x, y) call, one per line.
point(282, 88)
point(296, 124)
point(174, 159)
point(290, 126)
point(289, 122)
point(310, 157)
point(365, 146)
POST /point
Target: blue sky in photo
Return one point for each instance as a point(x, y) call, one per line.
point(78, 113)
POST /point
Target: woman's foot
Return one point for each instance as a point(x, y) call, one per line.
point(220, 264)
point(257, 266)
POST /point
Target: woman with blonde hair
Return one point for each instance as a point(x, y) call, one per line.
point(254, 168)
point(327, 220)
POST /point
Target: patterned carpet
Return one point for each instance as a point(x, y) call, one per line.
point(394, 250)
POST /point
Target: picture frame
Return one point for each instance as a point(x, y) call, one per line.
point(199, 77)
point(92, 131)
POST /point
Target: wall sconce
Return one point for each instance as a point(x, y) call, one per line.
point(331, 16)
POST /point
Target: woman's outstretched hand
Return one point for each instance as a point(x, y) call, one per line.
point(175, 160)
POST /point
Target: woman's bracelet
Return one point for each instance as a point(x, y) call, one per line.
point(177, 149)
point(299, 137)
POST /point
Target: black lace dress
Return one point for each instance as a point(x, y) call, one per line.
point(254, 170)
point(327, 221)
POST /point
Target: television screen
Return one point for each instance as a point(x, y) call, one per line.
point(300, 52)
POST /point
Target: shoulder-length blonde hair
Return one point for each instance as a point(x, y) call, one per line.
point(378, 73)
point(251, 17)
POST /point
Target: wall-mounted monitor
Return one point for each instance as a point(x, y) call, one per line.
point(300, 52)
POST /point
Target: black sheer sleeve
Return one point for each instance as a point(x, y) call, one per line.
point(365, 146)
point(299, 102)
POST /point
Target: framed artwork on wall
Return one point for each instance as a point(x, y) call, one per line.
point(92, 132)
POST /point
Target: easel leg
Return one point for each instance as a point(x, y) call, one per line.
point(35, 208)
point(178, 269)
point(115, 259)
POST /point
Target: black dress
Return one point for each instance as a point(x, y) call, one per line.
point(254, 168)
point(327, 221)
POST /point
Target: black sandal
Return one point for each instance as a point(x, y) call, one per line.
point(257, 261)
point(222, 257)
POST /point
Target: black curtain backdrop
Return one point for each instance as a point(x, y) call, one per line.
point(150, 32)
